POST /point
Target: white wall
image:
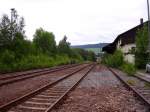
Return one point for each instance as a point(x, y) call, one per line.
point(127, 48)
point(128, 56)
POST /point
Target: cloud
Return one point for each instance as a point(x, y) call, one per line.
point(83, 21)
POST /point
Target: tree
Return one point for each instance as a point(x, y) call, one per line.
point(91, 56)
point(45, 41)
point(141, 54)
point(9, 28)
point(64, 47)
point(21, 47)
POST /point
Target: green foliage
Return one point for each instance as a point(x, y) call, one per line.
point(141, 56)
point(128, 68)
point(7, 57)
point(75, 55)
point(115, 60)
point(85, 55)
point(9, 28)
point(91, 56)
point(62, 59)
point(18, 53)
point(45, 41)
point(21, 47)
point(64, 47)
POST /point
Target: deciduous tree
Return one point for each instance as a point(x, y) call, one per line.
point(45, 41)
point(141, 54)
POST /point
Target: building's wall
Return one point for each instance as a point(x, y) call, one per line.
point(129, 58)
point(126, 49)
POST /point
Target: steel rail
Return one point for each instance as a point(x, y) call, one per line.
point(12, 103)
point(131, 88)
point(17, 74)
point(66, 93)
point(32, 75)
point(142, 79)
point(30, 70)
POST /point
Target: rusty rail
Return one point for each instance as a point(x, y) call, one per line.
point(131, 88)
point(17, 101)
point(142, 78)
point(9, 80)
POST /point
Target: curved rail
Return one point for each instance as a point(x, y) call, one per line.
point(45, 88)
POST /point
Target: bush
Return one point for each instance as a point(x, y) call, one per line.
point(7, 57)
point(115, 60)
point(128, 68)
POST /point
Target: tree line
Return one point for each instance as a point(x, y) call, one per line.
point(19, 53)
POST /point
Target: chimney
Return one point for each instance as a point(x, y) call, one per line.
point(141, 21)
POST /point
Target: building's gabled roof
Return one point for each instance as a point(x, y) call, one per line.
point(127, 37)
point(110, 48)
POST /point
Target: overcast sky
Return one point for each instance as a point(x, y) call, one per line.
point(82, 21)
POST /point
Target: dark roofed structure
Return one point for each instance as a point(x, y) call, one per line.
point(110, 48)
point(127, 37)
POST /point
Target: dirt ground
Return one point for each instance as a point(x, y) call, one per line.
point(101, 91)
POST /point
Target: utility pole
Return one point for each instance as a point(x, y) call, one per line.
point(12, 14)
point(148, 25)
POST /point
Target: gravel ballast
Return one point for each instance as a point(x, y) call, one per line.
point(101, 91)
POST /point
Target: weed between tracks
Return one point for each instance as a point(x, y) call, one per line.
point(147, 85)
point(131, 82)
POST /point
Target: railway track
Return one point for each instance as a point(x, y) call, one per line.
point(139, 88)
point(30, 74)
point(47, 97)
point(142, 78)
point(7, 74)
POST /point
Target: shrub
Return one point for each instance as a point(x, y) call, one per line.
point(7, 57)
point(128, 68)
point(115, 60)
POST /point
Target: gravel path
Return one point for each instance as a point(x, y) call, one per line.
point(101, 91)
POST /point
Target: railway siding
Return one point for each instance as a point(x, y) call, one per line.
point(45, 100)
point(139, 85)
point(23, 87)
point(101, 91)
point(14, 77)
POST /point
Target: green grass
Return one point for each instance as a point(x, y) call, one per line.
point(36, 61)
